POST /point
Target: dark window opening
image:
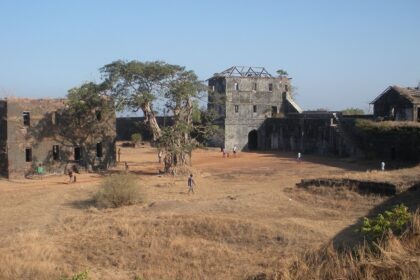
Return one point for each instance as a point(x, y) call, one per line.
point(236, 108)
point(99, 149)
point(286, 87)
point(98, 115)
point(77, 153)
point(393, 153)
point(56, 152)
point(254, 86)
point(270, 87)
point(254, 108)
point(418, 114)
point(28, 155)
point(236, 86)
point(274, 110)
point(26, 119)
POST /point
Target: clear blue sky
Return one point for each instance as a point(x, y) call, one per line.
point(339, 53)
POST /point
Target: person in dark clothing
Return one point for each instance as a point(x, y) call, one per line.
point(191, 184)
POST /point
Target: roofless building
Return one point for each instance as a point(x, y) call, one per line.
point(242, 97)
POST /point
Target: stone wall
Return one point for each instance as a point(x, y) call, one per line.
point(316, 133)
point(244, 103)
point(31, 127)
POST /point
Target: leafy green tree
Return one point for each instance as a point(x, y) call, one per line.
point(282, 72)
point(353, 111)
point(136, 85)
point(176, 140)
point(88, 118)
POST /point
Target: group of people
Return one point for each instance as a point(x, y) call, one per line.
point(226, 154)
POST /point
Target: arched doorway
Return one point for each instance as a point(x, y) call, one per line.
point(253, 140)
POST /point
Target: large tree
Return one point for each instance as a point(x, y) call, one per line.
point(135, 85)
point(176, 140)
point(88, 118)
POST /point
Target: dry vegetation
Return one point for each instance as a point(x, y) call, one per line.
point(391, 258)
point(246, 220)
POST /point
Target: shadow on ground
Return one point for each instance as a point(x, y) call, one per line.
point(349, 164)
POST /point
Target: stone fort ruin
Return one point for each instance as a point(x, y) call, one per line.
point(30, 136)
point(257, 111)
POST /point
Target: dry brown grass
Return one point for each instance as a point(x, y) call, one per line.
point(245, 218)
point(392, 258)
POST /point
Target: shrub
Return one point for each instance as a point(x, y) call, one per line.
point(136, 138)
point(395, 220)
point(80, 276)
point(118, 190)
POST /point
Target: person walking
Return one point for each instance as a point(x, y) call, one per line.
point(234, 150)
point(160, 156)
point(383, 166)
point(70, 173)
point(299, 156)
point(119, 154)
point(191, 184)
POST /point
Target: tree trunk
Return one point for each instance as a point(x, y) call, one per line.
point(150, 119)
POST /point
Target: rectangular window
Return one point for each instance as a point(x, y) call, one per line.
point(77, 153)
point(254, 86)
point(98, 115)
point(236, 108)
point(236, 86)
point(99, 149)
point(26, 119)
point(270, 87)
point(274, 110)
point(254, 108)
point(28, 154)
point(56, 152)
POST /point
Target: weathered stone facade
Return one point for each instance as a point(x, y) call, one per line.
point(309, 132)
point(243, 98)
point(398, 104)
point(28, 139)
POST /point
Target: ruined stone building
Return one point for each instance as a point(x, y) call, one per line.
point(398, 103)
point(256, 111)
point(243, 98)
point(33, 133)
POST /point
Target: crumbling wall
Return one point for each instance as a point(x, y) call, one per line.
point(394, 106)
point(32, 127)
point(307, 133)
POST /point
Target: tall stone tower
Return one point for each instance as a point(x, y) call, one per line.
point(243, 98)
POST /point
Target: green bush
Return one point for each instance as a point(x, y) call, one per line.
point(136, 138)
point(80, 276)
point(118, 190)
point(395, 220)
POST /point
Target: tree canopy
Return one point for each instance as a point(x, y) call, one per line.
point(135, 85)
